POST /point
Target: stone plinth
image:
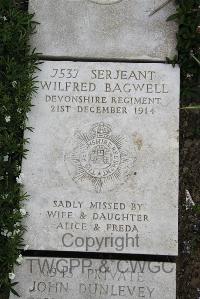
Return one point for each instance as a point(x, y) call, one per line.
point(104, 29)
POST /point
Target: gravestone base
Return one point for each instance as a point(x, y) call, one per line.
point(112, 30)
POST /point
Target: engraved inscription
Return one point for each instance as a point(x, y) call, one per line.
point(66, 278)
point(99, 158)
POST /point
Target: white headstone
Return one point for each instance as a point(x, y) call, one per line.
point(87, 278)
point(102, 166)
point(107, 29)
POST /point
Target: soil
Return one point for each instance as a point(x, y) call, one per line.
point(188, 264)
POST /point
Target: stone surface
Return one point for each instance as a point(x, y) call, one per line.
point(88, 278)
point(104, 29)
point(102, 166)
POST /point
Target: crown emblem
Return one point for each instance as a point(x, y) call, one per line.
point(101, 130)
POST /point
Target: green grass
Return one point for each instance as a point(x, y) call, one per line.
point(17, 85)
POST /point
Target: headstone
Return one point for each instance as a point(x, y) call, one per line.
point(102, 166)
point(107, 29)
point(66, 278)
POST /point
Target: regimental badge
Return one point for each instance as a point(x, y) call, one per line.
point(99, 161)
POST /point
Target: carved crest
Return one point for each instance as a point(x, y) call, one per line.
point(99, 160)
